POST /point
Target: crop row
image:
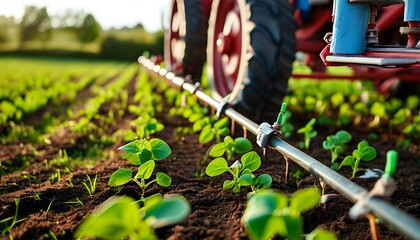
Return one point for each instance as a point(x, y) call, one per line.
point(122, 107)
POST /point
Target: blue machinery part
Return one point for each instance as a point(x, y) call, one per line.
point(412, 10)
point(349, 28)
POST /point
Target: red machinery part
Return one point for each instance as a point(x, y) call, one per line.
point(226, 46)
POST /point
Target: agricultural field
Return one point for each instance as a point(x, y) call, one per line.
point(99, 148)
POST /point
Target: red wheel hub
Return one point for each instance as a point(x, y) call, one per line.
point(175, 44)
point(226, 46)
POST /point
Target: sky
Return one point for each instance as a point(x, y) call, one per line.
point(109, 13)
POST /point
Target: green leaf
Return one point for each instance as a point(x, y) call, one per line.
point(348, 161)
point(293, 227)
point(327, 145)
point(130, 147)
point(133, 158)
point(313, 133)
point(170, 210)
point(258, 215)
point(120, 177)
point(218, 149)
point(251, 161)
point(145, 170)
point(159, 148)
point(228, 140)
point(265, 180)
point(368, 154)
point(343, 136)
point(217, 167)
point(242, 145)
point(245, 180)
point(153, 199)
point(144, 156)
point(228, 184)
point(305, 199)
point(163, 179)
point(321, 234)
point(222, 123)
point(223, 131)
point(112, 220)
point(206, 135)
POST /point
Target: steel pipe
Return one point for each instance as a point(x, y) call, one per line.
point(399, 220)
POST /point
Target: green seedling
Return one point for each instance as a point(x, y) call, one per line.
point(286, 127)
point(308, 132)
point(49, 205)
point(123, 176)
point(298, 175)
point(145, 126)
point(37, 196)
point(138, 151)
point(269, 214)
point(241, 172)
point(229, 146)
point(336, 143)
point(364, 152)
point(8, 223)
point(76, 202)
point(404, 143)
point(90, 186)
point(214, 130)
point(122, 218)
point(143, 153)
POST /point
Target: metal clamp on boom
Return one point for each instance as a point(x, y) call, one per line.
point(223, 105)
point(264, 133)
point(384, 187)
point(266, 130)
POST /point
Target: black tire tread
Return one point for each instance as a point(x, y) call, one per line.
point(195, 39)
point(273, 43)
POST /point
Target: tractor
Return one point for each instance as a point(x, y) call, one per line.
point(249, 46)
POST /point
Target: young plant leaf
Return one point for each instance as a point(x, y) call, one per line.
point(153, 199)
point(217, 167)
point(259, 213)
point(320, 234)
point(228, 184)
point(120, 177)
point(144, 156)
point(265, 180)
point(348, 161)
point(113, 220)
point(163, 179)
point(218, 150)
point(304, 200)
point(245, 180)
point(145, 170)
point(133, 158)
point(159, 148)
point(222, 123)
point(130, 147)
point(368, 153)
point(242, 145)
point(170, 210)
point(206, 135)
point(343, 136)
point(251, 161)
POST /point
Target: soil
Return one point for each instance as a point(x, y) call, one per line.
point(48, 208)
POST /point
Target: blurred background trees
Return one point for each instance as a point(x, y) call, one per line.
point(74, 33)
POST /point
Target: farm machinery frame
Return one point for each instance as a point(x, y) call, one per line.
point(249, 46)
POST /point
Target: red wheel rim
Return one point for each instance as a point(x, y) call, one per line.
point(226, 47)
point(174, 41)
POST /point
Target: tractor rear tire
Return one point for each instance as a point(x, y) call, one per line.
point(195, 39)
point(272, 44)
